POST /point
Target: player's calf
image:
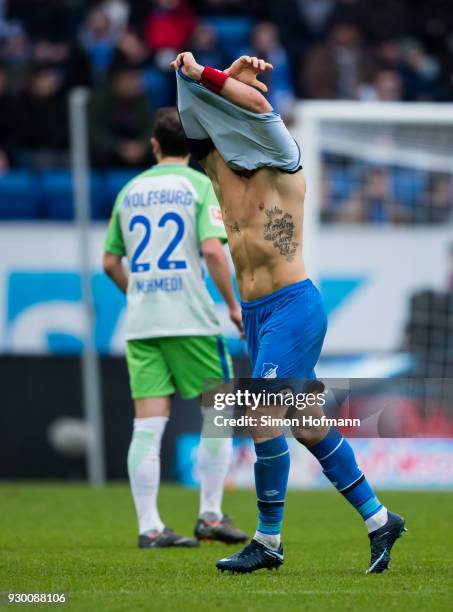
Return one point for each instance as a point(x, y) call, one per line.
point(271, 479)
point(339, 465)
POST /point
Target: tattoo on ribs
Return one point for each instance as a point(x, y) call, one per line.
point(279, 229)
point(234, 227)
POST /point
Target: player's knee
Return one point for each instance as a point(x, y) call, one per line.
point(149, 407)
point(309, 436)
point(263, 434)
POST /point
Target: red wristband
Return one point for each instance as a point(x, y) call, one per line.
point(213, 79)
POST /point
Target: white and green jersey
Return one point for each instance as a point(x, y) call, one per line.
point(158, 222)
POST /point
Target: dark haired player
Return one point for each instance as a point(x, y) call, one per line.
point(161, 221)
point(255, 168)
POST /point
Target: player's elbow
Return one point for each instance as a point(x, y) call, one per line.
point(211, 249)
point(258, 103)
point(110, 262)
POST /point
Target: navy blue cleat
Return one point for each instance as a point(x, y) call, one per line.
point(253, 557)
point(381, 542)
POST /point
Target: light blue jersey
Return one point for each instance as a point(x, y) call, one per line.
point(245, 140)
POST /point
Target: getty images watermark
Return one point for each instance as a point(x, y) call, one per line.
point(252, 401)
point(406, 407)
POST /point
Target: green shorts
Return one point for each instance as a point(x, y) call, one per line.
point(161, 366)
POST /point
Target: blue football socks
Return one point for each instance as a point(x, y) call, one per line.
point(338, 462)
point(271, 479)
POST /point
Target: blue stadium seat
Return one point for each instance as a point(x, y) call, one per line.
point(57, 198)
point(408, 185)
point(56, 195)
point(160, 86)
point(114, 181)
point(342, 183)
point(233, 33)
point(18, 196)
point(100, 208)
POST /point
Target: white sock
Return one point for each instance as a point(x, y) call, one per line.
point(214, 457)
point(377, 520)
point(269, 540)
point(143, 463)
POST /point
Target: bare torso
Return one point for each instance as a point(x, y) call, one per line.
point(263, 216)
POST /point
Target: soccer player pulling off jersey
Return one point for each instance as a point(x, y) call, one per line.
point(254, 166)
point(161, 221)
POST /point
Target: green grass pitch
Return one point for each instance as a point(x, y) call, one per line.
point(71, 538)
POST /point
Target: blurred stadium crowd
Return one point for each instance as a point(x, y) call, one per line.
point(357, 192)
point(321, 49)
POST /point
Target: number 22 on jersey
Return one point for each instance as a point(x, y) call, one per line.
point(164, 261)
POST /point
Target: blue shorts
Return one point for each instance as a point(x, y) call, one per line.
point(285, 331)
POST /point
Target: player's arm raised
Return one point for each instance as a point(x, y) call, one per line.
point(114, 268)
point(241, 92)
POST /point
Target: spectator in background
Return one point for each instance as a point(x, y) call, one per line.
point(335, 69)
point(7, 121)
point(391, 18)
point(265, 44)
point(168, 28)
point(131, 51)
point(302, 24)
point(436, 204)
point(117, 12)
point(98, 41)
point(316, 17)
point(419, 72)
point(374, 202)
point(42, 121)
point(388, 53)
point(16, 54)
point(47, 52)
point(48, 25)
point(48, 20)
point(204, 45)
point(387, 86)
point(121, 120)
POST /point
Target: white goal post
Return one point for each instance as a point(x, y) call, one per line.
point(364, 130)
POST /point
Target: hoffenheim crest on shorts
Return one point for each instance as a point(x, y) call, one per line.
point(269, 370)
